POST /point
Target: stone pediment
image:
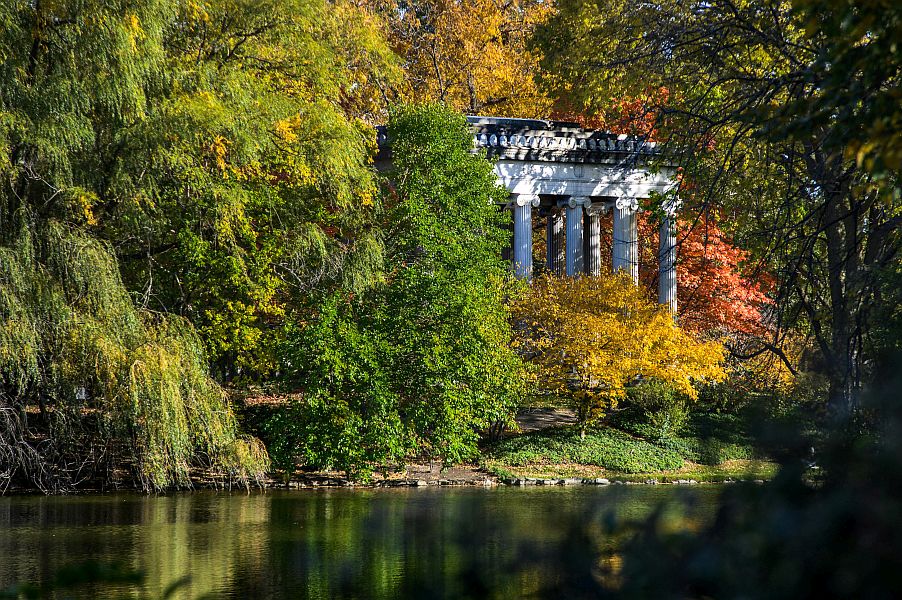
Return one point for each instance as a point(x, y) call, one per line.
point(560, 158)
point(548, 141)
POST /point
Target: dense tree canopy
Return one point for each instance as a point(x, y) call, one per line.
point(243, 179)
point(188, 195)
point(801, 202)
point(214, 154)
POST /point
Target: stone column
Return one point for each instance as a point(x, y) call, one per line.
point(667, 277)
point(593, 239)
point(626, 237)
point(554, 241)
point(575, 235)
point(522, 208)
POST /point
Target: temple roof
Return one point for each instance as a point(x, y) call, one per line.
point(550, 141)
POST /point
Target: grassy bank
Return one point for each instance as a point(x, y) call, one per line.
point(710, 448)
point(733, 470)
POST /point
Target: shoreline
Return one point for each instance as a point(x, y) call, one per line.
point(488, 483)
point(456, 477)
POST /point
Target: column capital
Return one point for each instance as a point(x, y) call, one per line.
point(583, 201)
point(524, 199)
point(626, 203)
point(574, 201)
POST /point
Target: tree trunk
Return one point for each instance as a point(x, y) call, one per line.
point(838, 328)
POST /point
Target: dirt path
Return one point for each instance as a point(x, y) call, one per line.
point(533, 419)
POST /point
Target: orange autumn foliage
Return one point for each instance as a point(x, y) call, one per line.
point(715, 292)
point(635, 116)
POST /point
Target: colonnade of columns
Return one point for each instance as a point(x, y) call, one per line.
point(574, 254)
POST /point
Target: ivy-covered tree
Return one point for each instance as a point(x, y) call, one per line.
point(421, 362)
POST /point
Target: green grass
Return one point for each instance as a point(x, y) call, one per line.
point(735, 470)
point(602, 447)
point(708, 438)
point(712, 447)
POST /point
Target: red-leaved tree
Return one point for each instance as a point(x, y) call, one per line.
point(717, 292)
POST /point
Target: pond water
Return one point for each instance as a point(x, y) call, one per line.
point(423, 543)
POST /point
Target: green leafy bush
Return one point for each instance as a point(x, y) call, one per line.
point(656, 408)
point(348, 418)
point(329, 433)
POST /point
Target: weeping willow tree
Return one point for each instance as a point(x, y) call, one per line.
point(89, 382)
point(220, 147)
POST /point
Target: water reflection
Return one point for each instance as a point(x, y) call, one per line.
point(448, 543)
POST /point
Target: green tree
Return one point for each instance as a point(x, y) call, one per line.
point(420, 362)
point(89, 385)
point(445, 306)
point(245, 177)
point(857, 84)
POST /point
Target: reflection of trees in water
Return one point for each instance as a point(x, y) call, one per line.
point(205, 535)
point(499, 543)
point(333, 544)
point(41, 533)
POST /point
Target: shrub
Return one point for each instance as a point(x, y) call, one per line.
point(590, 337)
point(326, 432)
point(661, 406)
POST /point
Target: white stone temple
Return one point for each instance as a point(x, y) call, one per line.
point(570, 177)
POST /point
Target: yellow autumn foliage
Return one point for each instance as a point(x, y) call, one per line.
point(590, 337)
point(471, 55)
